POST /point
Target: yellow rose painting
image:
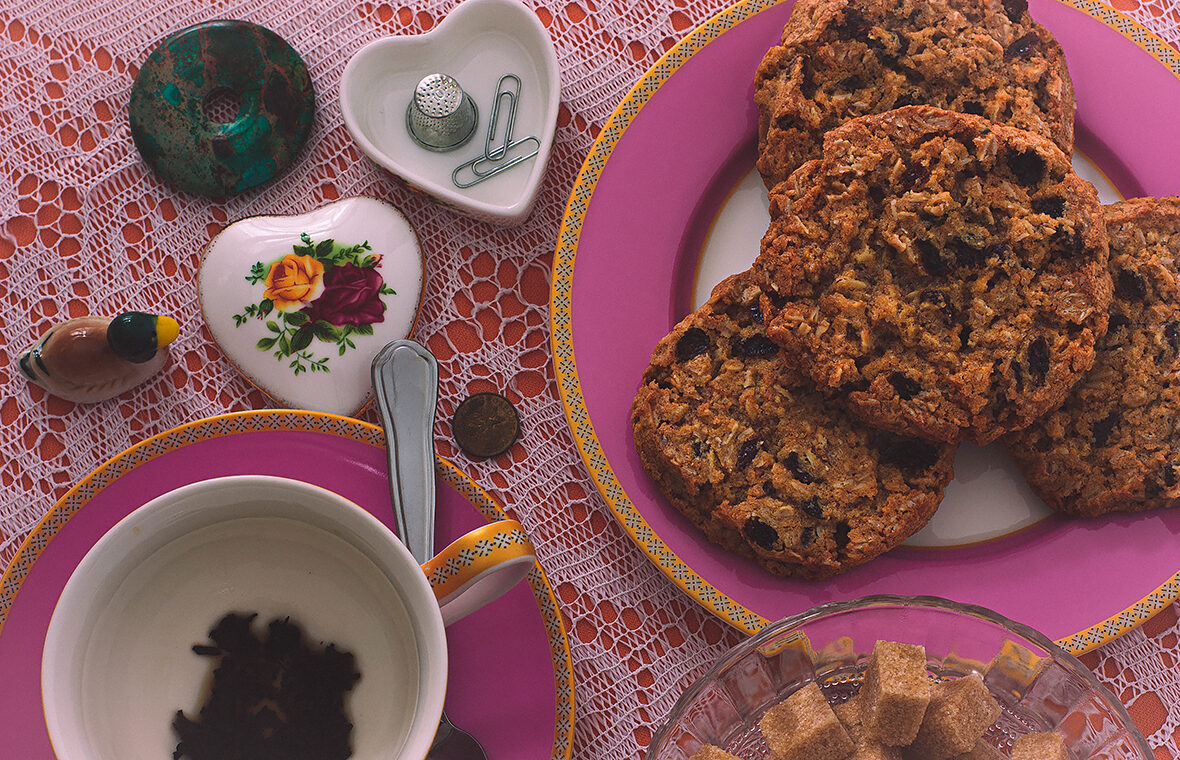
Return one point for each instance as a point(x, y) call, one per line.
point(294, 281)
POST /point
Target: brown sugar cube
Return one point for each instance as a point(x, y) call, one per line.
point(711, 752)
point(804, 727)
point(981, 751)
point(1045, 746)
point(895, 692)
point(864, 748)
point(959, 713)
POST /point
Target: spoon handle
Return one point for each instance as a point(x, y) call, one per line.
point(405, 385)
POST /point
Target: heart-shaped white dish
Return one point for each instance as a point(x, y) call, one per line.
point(477, 43)
point(301, 304)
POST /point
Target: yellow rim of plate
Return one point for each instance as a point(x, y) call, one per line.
point(561, 327)
point(272, 420)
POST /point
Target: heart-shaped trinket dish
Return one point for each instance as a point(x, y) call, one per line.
point(480, 46)
point(301, 304)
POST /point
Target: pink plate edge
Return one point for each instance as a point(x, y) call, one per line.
point(561, 323)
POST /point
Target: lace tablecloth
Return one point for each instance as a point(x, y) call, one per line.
point(88, 229)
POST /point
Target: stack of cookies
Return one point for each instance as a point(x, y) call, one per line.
point(933, 272)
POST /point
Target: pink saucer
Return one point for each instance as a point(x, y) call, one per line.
point(510, 678)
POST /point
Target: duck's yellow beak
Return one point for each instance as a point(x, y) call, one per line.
point(167, 329)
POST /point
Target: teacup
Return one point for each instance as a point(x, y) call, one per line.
point(119, 662)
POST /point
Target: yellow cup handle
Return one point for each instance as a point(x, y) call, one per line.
point(479, 567)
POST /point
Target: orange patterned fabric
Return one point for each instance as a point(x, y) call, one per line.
point(86, 228)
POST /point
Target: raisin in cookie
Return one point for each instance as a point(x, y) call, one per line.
point(840, 59)
point(765, 466)
point(948, 273)
point(1114, 445)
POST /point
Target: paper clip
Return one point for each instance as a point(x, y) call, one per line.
point(512, 93)
point(483, 167)
point(498, 153)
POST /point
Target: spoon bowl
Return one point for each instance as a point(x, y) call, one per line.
point(453, 743)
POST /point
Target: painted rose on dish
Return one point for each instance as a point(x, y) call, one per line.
point(352, 296)
point(294, 281)
point(324, 292)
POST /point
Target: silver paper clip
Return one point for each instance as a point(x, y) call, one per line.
point(483, 167)
point(502, 92)
point(499, 154)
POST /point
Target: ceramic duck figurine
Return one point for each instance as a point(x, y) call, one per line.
point(90, 359)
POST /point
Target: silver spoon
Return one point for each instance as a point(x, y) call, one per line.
point(405, 386)
point(451, 743)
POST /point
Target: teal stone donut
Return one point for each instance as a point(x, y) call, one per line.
point(197, 154)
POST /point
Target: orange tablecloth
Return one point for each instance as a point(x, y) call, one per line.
point(86, 228)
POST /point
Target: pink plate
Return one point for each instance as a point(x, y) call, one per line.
point(623, 275)
point(510, 681)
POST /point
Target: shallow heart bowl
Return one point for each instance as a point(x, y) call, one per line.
point(479, 42)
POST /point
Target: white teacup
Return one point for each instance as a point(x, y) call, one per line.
point(118, 660)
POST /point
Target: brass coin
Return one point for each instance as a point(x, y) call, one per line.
point(485, 424)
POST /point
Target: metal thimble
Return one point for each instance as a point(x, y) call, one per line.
point(440, 116)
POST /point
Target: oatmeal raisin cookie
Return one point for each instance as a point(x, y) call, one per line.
point(840, 59)
point(1114, 445)
point(949, 274)
point(761, 462)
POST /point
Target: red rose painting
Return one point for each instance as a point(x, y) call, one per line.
point(351, 296)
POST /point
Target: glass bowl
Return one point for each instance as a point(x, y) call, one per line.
point(1039, 686)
